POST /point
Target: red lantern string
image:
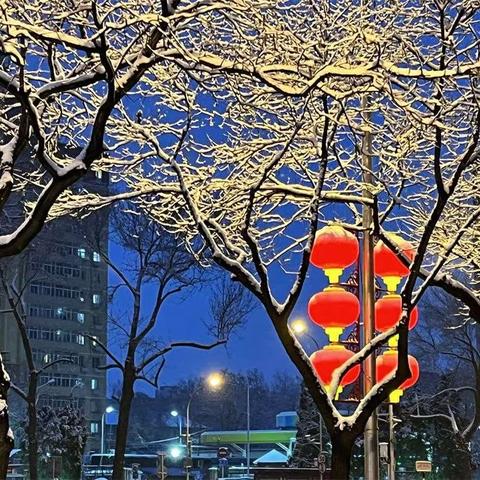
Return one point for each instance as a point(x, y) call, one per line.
point(335, 308)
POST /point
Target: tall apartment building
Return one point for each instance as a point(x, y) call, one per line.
point(65, 298)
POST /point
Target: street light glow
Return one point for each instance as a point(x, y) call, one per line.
point(299, 326)
point(175, 452)
point(174, 413)
point(215, 380)
point(109, 409)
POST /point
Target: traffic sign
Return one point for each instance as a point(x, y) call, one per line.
point(423, 466)
point(223, 452)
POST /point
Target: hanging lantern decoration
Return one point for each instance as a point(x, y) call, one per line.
point(388, 311)
point(327, 360)
point(334, 249)
point(387, 263)
point(387, 363)
point(334, 309)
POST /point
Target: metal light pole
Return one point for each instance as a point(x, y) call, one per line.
point(174, 413)
point(187, 438)
point(371, 461)
point(248, 427)
point(109, 409)
point(214, 381)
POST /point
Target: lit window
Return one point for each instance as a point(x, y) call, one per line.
point(81, 340)
point(96, 298)
point(93, 427)
point(80, 317)
point(93, 383)
point(96, 257)
point(98, 174)
point(81, 252)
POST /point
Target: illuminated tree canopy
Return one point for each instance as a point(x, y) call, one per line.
point(241, 126)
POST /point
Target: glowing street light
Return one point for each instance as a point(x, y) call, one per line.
point(215, 380)
point(175, 452)
point(299, 326)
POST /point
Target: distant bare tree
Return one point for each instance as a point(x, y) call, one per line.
point(155, 260)
point(30, 395)
point(448, 343)
point(230, 306)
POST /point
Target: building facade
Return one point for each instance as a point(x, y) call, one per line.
point(64, 282)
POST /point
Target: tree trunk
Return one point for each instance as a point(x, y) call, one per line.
point(32, 428)
point(465, 457)
point(342, 445)
point(123, 421)
point(6, 437)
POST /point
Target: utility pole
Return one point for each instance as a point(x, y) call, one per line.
point(391, 443)
point(368, 300)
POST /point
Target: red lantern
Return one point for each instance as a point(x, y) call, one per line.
point(387, 363)
point(334, 309)
point(328, 359)
point(333, 250)
point(388, 265)
point(388, 311)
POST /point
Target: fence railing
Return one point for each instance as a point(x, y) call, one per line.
point(91, 472)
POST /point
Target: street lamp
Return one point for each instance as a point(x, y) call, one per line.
point(300, 328)
point(109, 409)
point(174, 413)
point(43, 385)
point(50, 382)
point(215, 380)
point(175, 452)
